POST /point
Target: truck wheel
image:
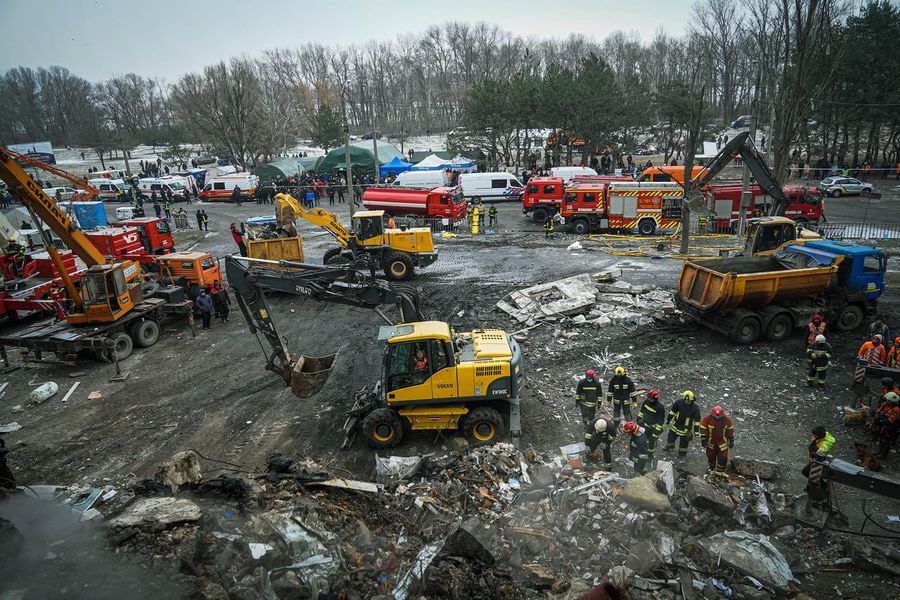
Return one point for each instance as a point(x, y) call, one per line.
point(849, 318)
point(399, 266)
point(540, 215)
point(647, 227)
point(331, 254)
point(779, 327)
point(581, 227)
point(382, 428)
point(746, 330)
point(482, 426)
point(145, 333)
point(123, 344)
point(475, 199)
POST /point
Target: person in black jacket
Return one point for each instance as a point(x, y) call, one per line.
point(684, 422)
point(601, 432)
point(819, 353)
point(638, 447)
point(236, 195)
point(622, 395)
point(651, 417)
point(587, 393)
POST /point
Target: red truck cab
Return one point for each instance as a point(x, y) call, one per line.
point(442, 202)
point(542, 197)
point(807, 204)
point(155, 234)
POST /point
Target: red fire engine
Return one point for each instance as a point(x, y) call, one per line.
point(622, 206)
point(806, 204)
point(544, 195)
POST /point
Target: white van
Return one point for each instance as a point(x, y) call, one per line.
point(110, 189)
point(423, 179)
point(221, 188)
point(153, 184)
point(491, 187)
point(568, 173)
point(65, 193)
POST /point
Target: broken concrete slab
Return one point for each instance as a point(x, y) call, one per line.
point(666, 472)
point(751, 554)
point(607, 275)
point(182, 468)
point(158, 511)
point(751, 467)
point(703, 494)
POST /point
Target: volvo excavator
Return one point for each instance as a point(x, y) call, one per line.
point(432, 377)
point(397, 251)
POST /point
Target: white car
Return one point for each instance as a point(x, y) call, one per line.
point(838, 185)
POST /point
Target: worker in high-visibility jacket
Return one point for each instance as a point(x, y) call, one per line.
point(684, 422)
point(638, 447)
point(717, 433)
point(892, 361)
point(601, 432)
point(819, 353)
point(621, 393)
point(651, 417)
point(587, 393)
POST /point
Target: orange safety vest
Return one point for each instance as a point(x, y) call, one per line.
point(871, 354)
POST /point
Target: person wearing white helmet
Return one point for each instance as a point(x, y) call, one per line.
point(819, 354)
point(603, 433)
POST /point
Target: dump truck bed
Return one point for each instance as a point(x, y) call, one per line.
point(751, 280)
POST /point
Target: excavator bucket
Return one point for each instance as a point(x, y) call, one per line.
point(310, 373)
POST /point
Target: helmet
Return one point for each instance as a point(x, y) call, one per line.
point(887, 382)
point(897, 340)
point(653, 394)
point(589, 372)
point(630, 428)
point(817, 318)
point(876, 337)
point(818, 431)
point(820, 339)
point(718, 411)
point(892, 398)
point(621, 370)
point(600, 425)
point(687, 396)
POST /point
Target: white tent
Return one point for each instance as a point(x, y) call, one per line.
point(432, 162)
point(461, 163)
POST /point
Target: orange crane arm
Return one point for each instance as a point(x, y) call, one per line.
point(28, 192)
point(79, 182)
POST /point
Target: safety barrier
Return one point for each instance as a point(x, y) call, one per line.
point(436, 224)
point(859, 231)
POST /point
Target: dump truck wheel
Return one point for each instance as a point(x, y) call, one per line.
point(746, 330)
point(331, 254)
point(540, 215)
point(123, 344)
point(399, 266)
point(482, 426)
point(382, 428)
point(849, 318)
point(145, 333)
point(581, 227)
point(779, 327)
point(647, 227)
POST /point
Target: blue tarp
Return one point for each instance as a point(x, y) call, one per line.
point(397, 165)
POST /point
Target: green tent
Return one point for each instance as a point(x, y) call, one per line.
point(362, 157)
point(283, 166)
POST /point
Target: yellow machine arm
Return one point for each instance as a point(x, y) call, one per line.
point(288, 208)
point(27, 191)
point(79, 182)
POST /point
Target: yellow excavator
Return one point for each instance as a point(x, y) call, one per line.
point(397, 251)
point(432, 377)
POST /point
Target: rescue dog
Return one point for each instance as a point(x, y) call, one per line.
point(854, 415)
point(866, 458)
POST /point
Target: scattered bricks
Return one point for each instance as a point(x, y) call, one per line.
point(751, 467)
point(705, 495)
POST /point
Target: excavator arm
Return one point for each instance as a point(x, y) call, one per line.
point(348, 284)
point(287, 205)
point(27, 191)
point(743, 146)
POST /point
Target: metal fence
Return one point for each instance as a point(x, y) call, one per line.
point(436, 224)
point(859, 231)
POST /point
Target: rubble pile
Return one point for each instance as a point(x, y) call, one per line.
point(600, 299)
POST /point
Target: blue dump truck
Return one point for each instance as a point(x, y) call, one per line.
point(748, 297)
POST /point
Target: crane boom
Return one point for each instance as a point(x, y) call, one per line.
point(743, 146)
point(79, 182)
point(346, 284)
point(27, 191)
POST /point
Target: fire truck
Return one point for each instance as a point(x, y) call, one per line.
point(644, 208)
point(544, 195)
point(806, 204)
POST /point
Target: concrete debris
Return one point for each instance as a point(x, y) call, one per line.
point(600, 299)
point(641, 492)
point(158, 511)
point(751, 554)
point(10, 427)
point(705, 495)
point(575, 246)
point(182, 468)
point(753, 467)
point(44, 392)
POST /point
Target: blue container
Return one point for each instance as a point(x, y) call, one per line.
point(90, 214)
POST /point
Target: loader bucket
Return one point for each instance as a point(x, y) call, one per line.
point(310, 373)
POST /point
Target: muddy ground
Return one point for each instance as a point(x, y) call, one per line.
point(212, 394)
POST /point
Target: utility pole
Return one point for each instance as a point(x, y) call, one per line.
point(375, 151)
point(746, 194)
point(347, 167)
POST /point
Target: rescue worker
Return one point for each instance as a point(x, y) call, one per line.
point(816, 326)
point(586, 394)
point(893, 355)
point(684, 423)
point(166, 207)
point(622, 395)
point(469, 208)
point(702, 224)
point(821, 443)
point(879, 327)
point(420, 361)
point(15, 252)
point(602, 431)
point(492, 216)
point(548, 228)
point(392, 224)
point(819, 354)
point(885, 423)
point(651, 417)
point(58, 296)
point(638, 447)
point(717, 433)
point(887, 385)
point(817, 492)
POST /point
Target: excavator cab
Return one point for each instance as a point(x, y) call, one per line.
point(768, 235)
point(106, 295)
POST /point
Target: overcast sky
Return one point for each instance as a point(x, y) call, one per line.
point(98, 39)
